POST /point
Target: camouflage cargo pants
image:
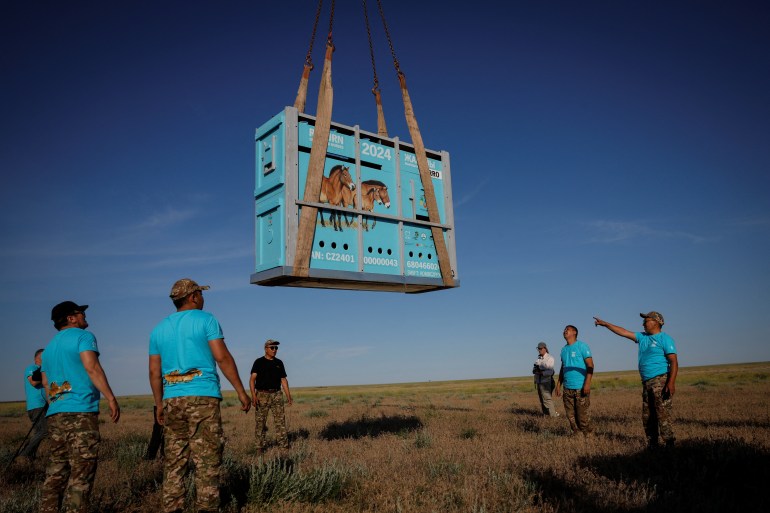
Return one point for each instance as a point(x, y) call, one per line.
point(266, 402)
point(656, 411)
point(192, 430)
point(72, 464)
point(577, 408)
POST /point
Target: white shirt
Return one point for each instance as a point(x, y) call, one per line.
point(545, 363)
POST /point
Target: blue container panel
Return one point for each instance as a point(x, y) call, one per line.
point(347, 252)
point(270, 155)
point(335, 244)
point(414, 204)
point(381, 249)
point(340, 144)
point(270, 232)
point(420, 257)
point(336, 251)
point(380, 155)
point(378, 177)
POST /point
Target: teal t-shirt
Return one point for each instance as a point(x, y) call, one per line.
point(573, 362)
point(35, 395)
point(652, 353)
point(187, 364)
point(70, 390)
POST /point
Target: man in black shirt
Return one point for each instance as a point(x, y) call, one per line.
point(268, 377)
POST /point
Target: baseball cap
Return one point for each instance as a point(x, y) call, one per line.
point(185, 287)
point(271, 342)
point(66, 308)
point(655, 316)
point(542, 345)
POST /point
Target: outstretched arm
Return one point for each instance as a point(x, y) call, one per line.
point(617, 330)
point(230, 370)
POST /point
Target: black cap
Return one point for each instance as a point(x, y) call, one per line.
point(66, 308)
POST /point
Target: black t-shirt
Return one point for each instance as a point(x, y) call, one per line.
point(269, 373)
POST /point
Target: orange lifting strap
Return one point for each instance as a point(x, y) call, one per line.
point(307, 221)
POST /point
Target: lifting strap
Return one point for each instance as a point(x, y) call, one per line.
point(299, 102)
point(382, 128)
point(422, 165)
point(427, 184)
point(315, 171)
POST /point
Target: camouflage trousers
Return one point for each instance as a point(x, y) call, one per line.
point(192, 431)
point(266, 402)
point(656, 411)
point(576, 406)
point(72, 465)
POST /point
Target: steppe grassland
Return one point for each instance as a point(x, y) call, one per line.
point(477, 445)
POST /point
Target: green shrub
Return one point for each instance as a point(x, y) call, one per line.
point(126, 450)
point(468, 433)
point(443, 469)
point(279, 480)
point(27, 502)
point(423, 439)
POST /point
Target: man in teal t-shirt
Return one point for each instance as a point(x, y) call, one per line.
point(35, 392)
point(658, 367)
point(185, 349)
point(577, 369)
point(73, 379)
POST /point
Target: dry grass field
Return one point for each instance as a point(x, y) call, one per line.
point(463, 446)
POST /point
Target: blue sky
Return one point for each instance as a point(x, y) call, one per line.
point(607, 158)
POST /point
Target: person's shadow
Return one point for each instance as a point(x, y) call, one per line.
point(696, 475)
point(370, 426)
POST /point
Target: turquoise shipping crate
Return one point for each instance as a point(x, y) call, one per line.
point(372, 229)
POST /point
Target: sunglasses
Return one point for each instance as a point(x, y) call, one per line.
point(274, 348)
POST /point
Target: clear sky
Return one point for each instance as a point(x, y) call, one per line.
point(608, 158)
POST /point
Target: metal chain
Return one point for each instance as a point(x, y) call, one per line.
point(308, 57)
point(390, 41)
point(376, 86)
point(331, 25)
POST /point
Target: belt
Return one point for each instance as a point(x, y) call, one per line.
point(270, 391)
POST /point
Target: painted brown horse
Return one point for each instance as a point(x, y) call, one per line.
point(372, 191)
point(332, 189)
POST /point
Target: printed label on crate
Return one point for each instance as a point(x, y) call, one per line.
point(338, 143)
point(410, 160)
point(383, 261)
point(333, 256)
point(423, 269)
point(420, 253)
point(376, 151)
